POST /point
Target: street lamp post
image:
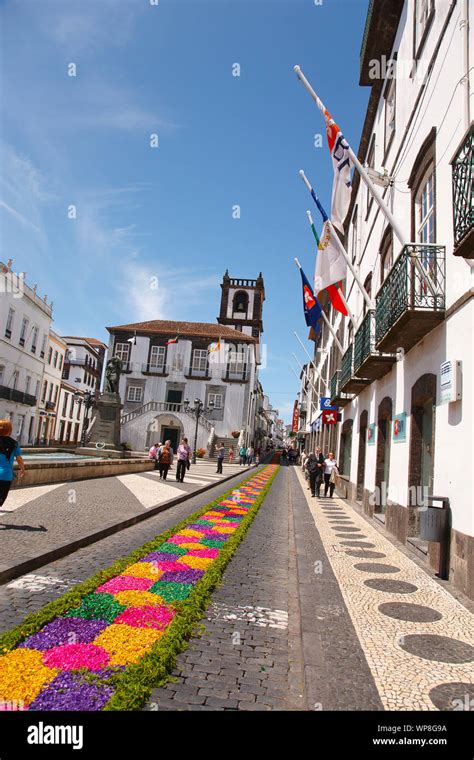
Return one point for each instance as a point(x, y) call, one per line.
point(87, 400)
point(196, 410)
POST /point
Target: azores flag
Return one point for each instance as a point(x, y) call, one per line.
point(312, 309)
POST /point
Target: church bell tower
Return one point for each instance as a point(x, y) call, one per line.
point(242, 304)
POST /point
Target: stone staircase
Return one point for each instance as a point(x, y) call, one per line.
point(227, 442)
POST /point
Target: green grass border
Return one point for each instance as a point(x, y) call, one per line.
point(72, 598)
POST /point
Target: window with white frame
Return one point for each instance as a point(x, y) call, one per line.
point(2, 373)
point(390, 101)
point(157, 356)
point(122, 351)
point(50, 354)
point(15, 377)
point(425, 209)
point(28, 383)
point(236, 362)
point(24, 328)
point(386, 256)
point(55, 360)
point(199, 359)
point(43, 345)
point(134, 393)
point(216, 400)
point(423, 14)
point(34, 339)
point(9, 325)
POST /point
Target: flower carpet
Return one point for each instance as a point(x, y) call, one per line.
point(76, 660)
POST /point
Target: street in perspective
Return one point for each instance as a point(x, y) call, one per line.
point(236, 419)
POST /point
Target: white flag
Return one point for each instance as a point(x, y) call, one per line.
point(341, 186)
point(331, 265)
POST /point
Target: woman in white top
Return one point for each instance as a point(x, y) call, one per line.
point(330, 465)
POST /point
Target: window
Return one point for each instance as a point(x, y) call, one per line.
point(134, 393)
point(122, 351)
point(50, 354)
point(9, 325)
point(354, 235)
point(71, 407)
point(215, 399)
point(56, 390)
point(65, 400)
point(50, 395)
point(37, 389)
point(423, 15)
point(28, 383)
point(55, 360)
point(61, 361)
point(386, 254)
point(368, 290)
point(2, 373)
point(24, 328)
point(199, 359)
point(78, 411)
point(43, 346)
point(236, 362)
point(370, 165)
point(34, 340)
point(390, 102)
point(425, 210)
point(15, 377)
point(157, 356)
point(43, 394)
point(241, 303)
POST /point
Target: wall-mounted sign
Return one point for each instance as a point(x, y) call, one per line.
point(450, 381)
point(325, 403)
point(329, 418)
point(371, 434)
point(399, 428)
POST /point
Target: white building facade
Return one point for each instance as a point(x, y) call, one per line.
point(404, 383)
point(25, 322)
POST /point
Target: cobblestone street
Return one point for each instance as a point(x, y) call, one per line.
point(318, 610)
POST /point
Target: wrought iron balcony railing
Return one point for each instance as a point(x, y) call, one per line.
point(337, 397)
point(11, 394)
point(155, 369)
point(350, 382)
point(368, 361)
point(406, 308)
point(463, 196)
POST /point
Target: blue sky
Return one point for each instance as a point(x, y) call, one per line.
point(166, 213)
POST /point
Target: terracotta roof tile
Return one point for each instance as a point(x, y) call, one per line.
point(195, 329)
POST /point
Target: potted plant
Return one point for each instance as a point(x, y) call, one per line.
point(200, 453)
point(235, 433)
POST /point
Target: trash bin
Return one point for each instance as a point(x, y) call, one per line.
point(434, 524)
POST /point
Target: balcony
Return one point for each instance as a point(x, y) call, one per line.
point(198, 373)
point(463, 197)
point(406, 309)
point(11, 394)
point(155, 369)
point(368, 362)
point(337, 397)
point(350, 382)
point(50, 406)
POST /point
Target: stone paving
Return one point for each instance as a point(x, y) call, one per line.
point(416, 637)
point(277, 636)
point(42, 519)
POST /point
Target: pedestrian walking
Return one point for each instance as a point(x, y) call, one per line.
point(243, 455)
point(315, 466)
point(249, 454)
point(184, 453)
point(231, 454)
point(9, 451)
point(220, 457)
point(153, 453)
point(165, 459)
point(330, 472)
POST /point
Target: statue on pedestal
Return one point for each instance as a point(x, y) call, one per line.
point(113, 370)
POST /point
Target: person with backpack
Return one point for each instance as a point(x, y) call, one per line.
point(184, 452)
point(315, 467)
point(9, 451)
point(165, 459)
point(243, 455)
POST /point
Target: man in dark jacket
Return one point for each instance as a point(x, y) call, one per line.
point(315, 467)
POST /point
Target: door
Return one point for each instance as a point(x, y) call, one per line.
point(170, 434)
point(427, 447)
point(173, 400)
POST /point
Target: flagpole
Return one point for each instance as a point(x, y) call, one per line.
point(331, 328)
point(311, 360)
point(340, 291)
point(339, 245)
point(304, 372)
point(312, 403)
point(378, 197)
point(315, 369)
